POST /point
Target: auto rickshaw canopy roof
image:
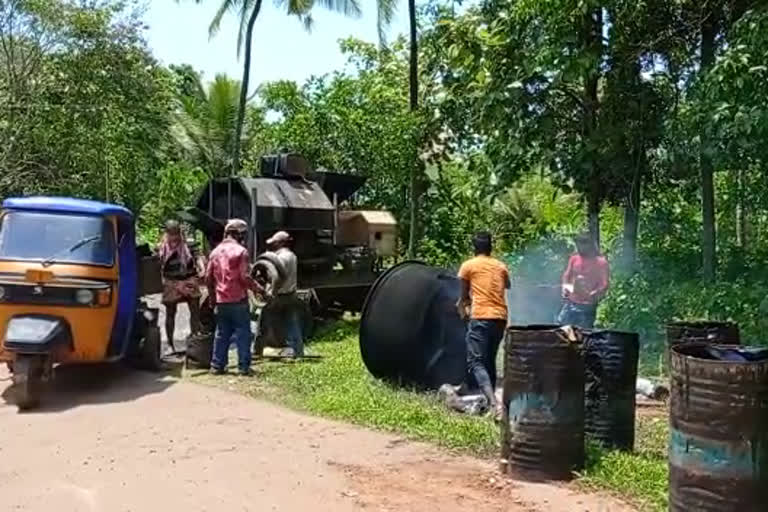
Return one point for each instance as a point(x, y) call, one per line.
point(66, 205)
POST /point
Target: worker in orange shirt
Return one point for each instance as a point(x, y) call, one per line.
point(584, 284)
point(484, 282)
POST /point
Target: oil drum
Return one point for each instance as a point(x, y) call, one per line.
point(718, 333)
point(543, 425)
point(410, 330)
point(610, 359)
point(718, 448)
point(199, 350)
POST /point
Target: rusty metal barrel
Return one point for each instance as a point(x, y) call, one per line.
point(718, 447)
point(716, 333)
point(543, 427)
point(610, 359)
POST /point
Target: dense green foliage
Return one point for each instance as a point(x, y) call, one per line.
point(84, 108)
point(645, 123)
point(536, 120)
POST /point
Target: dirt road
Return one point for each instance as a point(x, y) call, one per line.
point(118, 441)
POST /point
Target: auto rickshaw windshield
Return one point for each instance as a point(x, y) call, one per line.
point(57, 238)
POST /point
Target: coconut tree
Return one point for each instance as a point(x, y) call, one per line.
point(205, 122)
point(247, 12)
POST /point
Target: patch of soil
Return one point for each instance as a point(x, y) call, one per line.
point(652, 409)
point(460, 484)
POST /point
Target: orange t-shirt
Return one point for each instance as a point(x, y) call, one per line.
point(487, 278)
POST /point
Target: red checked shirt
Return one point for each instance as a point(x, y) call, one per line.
point(227, 272)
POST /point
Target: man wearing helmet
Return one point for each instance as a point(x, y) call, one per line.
point(228, 280)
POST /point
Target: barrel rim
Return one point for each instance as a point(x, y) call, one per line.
point(588, 332)
point(534, 327)
point(702, 324)
point(676, 354)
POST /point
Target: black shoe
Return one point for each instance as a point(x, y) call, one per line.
point(217, 371)
point(245, 373)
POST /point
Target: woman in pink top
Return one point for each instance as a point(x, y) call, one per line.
point(181, 283)
point(584, 283)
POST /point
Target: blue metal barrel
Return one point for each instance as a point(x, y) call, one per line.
point(718, 448)
point(611, 374)
point(543, 427)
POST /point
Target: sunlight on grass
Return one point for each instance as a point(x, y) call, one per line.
point(338, 386)
point(641, 476)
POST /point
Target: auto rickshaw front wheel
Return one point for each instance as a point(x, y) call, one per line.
point(28, 380)
point(150, 349)
point(145, 353)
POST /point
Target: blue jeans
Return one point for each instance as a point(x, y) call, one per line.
point(483, 339)
point(579, 315)
point(232, 320)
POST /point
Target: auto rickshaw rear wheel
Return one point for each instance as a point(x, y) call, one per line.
point(28, 380)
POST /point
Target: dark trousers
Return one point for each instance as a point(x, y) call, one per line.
point(579, 315)
point(483, 339)
point(232, 321)
point(286, 312)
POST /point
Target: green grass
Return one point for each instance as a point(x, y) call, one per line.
point(338, 386)
point(640, 477)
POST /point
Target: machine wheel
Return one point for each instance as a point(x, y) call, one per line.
point(28, 371)
point(150, 358)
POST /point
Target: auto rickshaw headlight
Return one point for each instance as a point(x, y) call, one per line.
point(84, 296)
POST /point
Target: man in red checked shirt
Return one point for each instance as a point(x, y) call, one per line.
point(228, 279)
point(584, 283)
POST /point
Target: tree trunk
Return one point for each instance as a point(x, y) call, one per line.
point(413, 89)
point(742, 231)
point(708, 237)
point(593, 216)
point(593, 26)
point(244, 89)
point(632, 217)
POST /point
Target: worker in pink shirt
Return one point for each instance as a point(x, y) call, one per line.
point(584, 284)
point(228, 280)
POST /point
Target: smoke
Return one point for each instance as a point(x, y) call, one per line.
point(535, 296)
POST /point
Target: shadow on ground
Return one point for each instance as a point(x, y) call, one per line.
point(78, 385)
